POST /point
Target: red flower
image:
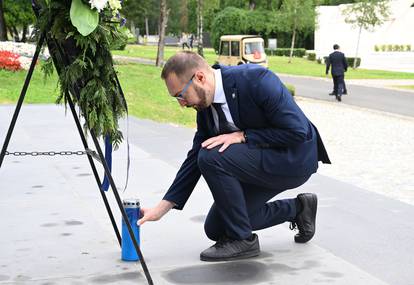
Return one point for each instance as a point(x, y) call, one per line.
point(9, 61)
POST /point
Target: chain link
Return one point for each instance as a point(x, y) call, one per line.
point(46, 153)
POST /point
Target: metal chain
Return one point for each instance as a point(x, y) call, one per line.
point(46, 153)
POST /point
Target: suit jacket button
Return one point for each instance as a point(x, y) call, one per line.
point(233, 95)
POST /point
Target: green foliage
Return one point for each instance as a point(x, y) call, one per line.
point(230, 21)
point(354, 61)
point(298, 15)
point(90, 69)
point(291, 89)
point(312, 56)
point(350, 60)
point(18, 15)
point(297, 52)
point(400, 48)
point(234, 21)
point(83, 17)
point(367, 14)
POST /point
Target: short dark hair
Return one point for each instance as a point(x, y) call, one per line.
point(335, 46)
point(183, 64)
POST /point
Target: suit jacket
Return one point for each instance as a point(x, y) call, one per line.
point(261, 106)
point(339, 64)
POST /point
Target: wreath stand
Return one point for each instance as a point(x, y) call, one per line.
point(58, 55)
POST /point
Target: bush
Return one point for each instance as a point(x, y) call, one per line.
point(9, 61)
point(349, 60)
point(376, 48)
point(312, 56)
point(291, 89)
point(408, 47)
point(297, 52)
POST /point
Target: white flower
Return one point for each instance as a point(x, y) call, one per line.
point(98, 4)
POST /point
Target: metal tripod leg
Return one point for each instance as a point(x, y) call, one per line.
point(21, 98)
point(115, 191)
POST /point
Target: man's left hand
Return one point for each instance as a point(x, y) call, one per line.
point(224, 140)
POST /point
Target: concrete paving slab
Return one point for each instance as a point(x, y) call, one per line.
point(55, 230)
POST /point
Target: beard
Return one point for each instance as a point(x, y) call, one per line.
point(202, 96)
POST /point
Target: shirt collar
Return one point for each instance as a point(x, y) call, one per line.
point(219, 96)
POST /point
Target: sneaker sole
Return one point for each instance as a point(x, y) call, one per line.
point(245, 255)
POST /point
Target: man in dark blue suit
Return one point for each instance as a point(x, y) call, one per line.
point(339, 66)
point(252, 143)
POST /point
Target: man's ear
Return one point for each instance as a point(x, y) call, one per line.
point(200, 76)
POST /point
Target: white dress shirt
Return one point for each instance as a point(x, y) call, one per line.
point(220, 97)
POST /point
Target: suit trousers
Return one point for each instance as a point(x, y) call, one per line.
point(241, 190)
point(339, 84)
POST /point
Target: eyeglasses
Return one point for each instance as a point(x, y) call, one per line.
point(180, 96)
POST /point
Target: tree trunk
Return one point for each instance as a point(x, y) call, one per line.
point(292, 44)
point(200, 27)
point(15, 33)
point(3, 30)
point(162, 26)
point(146, 27)
point(252, 5)
point(357, 47)
point(184, 16)
point(24, 33)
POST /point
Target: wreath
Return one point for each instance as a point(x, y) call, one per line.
point(79, 35)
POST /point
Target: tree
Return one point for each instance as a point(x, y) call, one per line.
point(229, 21)
point(143, 14)
point(3, 31)
point(184, 16)
point(162, 26)
point(19, 16)
point(366, 15)
point(200, 27)
point(297, 15)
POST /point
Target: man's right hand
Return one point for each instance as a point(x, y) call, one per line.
point(156, 213)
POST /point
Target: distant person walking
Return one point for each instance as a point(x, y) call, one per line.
point(339, 66)
point(184, 41)
point(190, 41)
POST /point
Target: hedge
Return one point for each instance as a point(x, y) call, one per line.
point(312, 56)
point(297, 52)
point(350, 61)
point(291, 89)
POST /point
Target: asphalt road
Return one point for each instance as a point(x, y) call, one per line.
point(388, 100)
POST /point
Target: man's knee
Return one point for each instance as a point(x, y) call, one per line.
point(208, 158)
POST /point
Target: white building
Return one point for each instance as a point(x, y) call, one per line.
point(397, 30)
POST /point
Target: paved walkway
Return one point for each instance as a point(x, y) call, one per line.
point(55, 229)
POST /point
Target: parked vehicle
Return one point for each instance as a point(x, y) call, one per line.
point(242, 49)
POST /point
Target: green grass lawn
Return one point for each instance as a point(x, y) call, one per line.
point(411, 87)
point(145, 92)
point(278, 64)
point(11, 84)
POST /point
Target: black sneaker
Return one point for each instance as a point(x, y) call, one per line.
point(305, 219)
point(228, 249)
